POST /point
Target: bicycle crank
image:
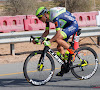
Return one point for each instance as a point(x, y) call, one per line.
point(83, 63)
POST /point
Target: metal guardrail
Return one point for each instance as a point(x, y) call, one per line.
point(17, 37)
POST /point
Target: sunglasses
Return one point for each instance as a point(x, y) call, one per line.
point(39, 17)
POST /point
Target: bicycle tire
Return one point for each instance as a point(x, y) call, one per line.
point(33, 79)
point(84, 73)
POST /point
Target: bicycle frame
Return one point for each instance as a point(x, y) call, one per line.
point(47, 49)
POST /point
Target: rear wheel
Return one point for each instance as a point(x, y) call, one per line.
point(38, 74)
point(87, 61)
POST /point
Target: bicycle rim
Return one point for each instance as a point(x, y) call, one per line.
point(91, 59)
point(32, 74)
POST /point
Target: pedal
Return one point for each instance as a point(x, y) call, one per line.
point(81, 68)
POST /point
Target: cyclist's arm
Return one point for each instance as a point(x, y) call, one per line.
point(55, 37)
point(46, 30)
point(57, 24)
point(45, 33)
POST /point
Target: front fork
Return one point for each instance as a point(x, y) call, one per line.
point(41, 61)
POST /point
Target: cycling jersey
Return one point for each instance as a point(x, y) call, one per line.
point(63, 19)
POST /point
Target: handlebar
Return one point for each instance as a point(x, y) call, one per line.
point(32, 37)
point(42, 38)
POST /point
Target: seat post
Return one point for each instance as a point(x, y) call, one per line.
point(73, 38)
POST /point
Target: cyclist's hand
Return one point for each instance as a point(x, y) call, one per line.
point(47, 43)
point(36, 40)
point(42, 39)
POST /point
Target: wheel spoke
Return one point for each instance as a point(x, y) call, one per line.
point(38, 74)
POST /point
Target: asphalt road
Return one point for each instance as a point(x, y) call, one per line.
point(12, 78)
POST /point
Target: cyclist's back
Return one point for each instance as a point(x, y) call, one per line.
point(64, 19)
point(62, 15)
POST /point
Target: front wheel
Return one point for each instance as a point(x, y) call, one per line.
point(35, 73)
point(86, 61)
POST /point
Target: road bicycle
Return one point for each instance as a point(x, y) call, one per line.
point(39, 66)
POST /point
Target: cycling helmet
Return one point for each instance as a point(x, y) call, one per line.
point(40, 11)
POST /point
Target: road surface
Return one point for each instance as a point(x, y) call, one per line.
point(12, 78)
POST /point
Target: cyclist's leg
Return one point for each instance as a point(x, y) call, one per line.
point(66, 33)
point(60, 49)
point(70, 31)
point(63, 70)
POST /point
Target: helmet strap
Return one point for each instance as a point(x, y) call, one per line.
point(45, 16)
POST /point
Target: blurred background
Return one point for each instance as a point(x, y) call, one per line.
point(26, 7)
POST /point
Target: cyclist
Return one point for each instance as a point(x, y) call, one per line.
point(62, 19)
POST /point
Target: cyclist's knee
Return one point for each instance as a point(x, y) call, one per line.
point(58, 39)
point(59, 48)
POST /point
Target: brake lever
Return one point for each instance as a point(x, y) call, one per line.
point(31, 38)
point(42, 39)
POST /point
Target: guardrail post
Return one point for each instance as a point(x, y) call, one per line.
point(12, 50)
point(98, 40)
